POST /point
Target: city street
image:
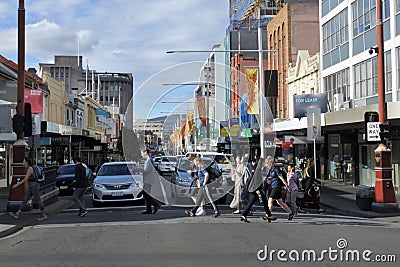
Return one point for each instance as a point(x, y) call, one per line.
point(110, 236)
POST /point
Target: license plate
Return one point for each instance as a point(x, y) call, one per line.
point(63, 187)
point(117, 194)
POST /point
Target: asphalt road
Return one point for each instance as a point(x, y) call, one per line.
point(122, 236)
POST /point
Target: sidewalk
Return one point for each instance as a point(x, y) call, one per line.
point(341, 199)
point(9, 225)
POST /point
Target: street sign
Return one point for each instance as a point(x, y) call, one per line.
point(313, 124)
point(373, 132)
point(370, 129)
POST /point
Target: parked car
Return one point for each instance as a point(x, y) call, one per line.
point(183, 182)
point(118, 181)
point(64, 178)
point(167, 164)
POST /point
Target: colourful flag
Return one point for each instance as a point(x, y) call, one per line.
point(252, 90)
point(201, 105)
point(190, 123)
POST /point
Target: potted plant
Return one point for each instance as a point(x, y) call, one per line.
point(364, 197)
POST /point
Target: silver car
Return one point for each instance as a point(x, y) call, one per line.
point(118, 181)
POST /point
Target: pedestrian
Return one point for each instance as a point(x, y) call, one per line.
point(309, 184)
point(291, 194)
point(195, 186)
point(80, 184)
point(32, 190)
point(237, 171)
point(149, 177)
point(247, 173)
point(275, 175)
point(204, 189)
point(254, 186)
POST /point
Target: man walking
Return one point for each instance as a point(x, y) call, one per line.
point(149, 177)
point(80, 184)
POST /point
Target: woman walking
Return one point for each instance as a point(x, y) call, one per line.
point(309, 181)
point(254, 184)
point(33, 190)
point(291, 194)
point(276, 178)
point(237, 174)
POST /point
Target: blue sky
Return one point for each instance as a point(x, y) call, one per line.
point(121, 36)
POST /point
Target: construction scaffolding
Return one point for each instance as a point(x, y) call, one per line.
point(243, 14)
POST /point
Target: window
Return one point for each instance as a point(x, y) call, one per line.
point(364, 15)
point(338, 83)
point(388, 72)
point(365, 79)
point(335, 32)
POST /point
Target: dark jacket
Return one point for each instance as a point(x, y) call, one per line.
point(81, 181)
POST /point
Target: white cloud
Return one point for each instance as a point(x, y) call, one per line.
point(119, 35)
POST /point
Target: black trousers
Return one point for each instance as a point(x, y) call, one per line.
point(253, 199)
point(150, 201)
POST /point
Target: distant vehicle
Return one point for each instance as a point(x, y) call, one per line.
point(167, 164)
point(118, 181)
point(183, 182)
point(64, 178)
point(156, 161)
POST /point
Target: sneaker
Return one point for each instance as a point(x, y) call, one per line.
point(190, 213)
point(236, 212)
point(83, 214)
point(14, 215)
point(291, 215)
point(42, 218)
point(216, 214)
point(200, 212)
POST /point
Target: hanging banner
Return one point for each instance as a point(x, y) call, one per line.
point(35, 98)
point(234, 126)
point(252, 90)
point(201, 105)
point(223, 128)
point(183, 127)
point(190, 123)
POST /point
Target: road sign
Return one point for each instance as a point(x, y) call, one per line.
point(373, 132)
point(313, 124)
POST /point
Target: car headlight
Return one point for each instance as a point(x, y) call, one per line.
point(134, 185)
point(100, 186)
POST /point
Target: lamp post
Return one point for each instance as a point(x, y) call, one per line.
point(19, 147)
point(385, 199)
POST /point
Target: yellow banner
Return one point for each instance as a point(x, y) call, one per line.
point(201, 105)
point(190, 123)
point(252, 90)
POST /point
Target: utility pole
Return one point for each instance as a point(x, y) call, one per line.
point(19, 147)
point(207, 74)
point(385, 199)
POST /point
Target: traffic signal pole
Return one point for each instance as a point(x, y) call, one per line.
point(385, 199)
point(19, 147)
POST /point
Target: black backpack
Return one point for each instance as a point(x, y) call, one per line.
point(214, 173)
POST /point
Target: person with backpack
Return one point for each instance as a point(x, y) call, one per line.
point(309, 181)
point(80, 184)
point(33, 190)
point(275, 175)
point(204, 178)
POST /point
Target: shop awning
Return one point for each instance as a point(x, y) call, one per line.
point(8, 137)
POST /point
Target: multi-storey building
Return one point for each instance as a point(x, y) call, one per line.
point(107, 88)
point(349, 76)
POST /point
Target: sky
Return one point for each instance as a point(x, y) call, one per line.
point(122, 36)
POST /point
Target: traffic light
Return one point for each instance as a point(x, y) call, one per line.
point(28, 120)
point(18, 123)
point(384, 131)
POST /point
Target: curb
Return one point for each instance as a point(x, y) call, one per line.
point(10, 231)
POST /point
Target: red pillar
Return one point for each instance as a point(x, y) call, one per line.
point(19, 147)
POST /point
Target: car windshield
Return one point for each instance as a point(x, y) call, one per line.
point(118, 169)
point(221, 159)
point(66, 169)
point(186, 165)
point(168, 159)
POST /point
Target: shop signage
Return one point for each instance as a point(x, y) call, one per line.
point(45, 141)
point(8, 91)
point(302, 102)
point(60, 140)
point(35, 98)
